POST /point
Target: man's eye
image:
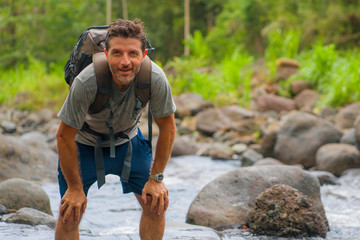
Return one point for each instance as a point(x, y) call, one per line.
point(134, 53)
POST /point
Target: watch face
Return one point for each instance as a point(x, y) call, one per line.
point(160, 177)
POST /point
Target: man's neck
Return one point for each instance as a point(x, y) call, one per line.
point(122, 86)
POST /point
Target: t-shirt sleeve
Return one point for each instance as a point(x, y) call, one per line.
point(161, 103)
point(76, 105)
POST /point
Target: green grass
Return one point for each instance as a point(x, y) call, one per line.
point(33, 86)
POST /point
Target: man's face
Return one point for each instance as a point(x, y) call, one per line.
point(124, 57)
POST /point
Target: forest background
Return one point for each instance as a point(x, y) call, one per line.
point(227, 38)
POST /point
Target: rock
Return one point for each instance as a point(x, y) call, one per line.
point(336, 158)
point(345, 118)
point(187, 126)
point(183, 146)
point(214, 119)
point(219, 151)
point(46, 115)
point(8, 127)
point(31, 217)
point(357, 129)
point(286, 68)
point(297, 86)
point(328, 113)
point(267, 161)
point(239, 148)
point(325, 178)
point(189, 104)
point(50, 127)
point(36, 139)
point(250, 157)
point(17, 193)
point(300, 136)
point(3, 210)
point(306, 100)
point(19, 159)
point(285, 212)
point(227, 199)
point(270, 102)
point(349, 137)
point(30, 122)
point(268, 140)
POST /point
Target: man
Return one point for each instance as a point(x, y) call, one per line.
point(125, 51)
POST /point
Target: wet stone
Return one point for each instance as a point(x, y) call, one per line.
point(8, 127)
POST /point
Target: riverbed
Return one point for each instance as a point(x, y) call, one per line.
point(112, 215)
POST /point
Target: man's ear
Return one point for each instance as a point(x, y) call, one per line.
point(105, 51)
point(145, 53)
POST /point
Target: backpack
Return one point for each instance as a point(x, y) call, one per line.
point(90, 49)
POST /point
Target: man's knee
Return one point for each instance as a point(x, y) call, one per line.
point(146, 209)
point(69, 226)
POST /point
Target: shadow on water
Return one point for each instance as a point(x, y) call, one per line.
point(113, 215)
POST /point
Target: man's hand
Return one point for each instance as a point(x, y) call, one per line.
point(159, 196)
point(73, 204)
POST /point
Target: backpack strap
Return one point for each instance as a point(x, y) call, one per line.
point(103, 81)
point(143, 81)
point(143, 91)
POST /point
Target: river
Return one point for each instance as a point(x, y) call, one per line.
point(111, 215)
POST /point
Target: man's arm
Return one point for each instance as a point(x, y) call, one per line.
point(157, 190)
point(74, 198)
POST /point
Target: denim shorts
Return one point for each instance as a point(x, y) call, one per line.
point(140, 165)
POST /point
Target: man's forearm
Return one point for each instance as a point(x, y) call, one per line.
point(67, 150)
point(69, 163)
point(164, 144)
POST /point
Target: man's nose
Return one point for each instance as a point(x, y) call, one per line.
point(125, 60)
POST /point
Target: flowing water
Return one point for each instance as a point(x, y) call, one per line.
point(111, 215)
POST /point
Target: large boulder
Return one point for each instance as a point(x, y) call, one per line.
point(300, 136)
point(19, 159)
point(285, 212)
point(17, 193)
point(227, 199)
point(336, 158)
point(214, 119)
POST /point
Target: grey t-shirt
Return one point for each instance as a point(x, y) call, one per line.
point(83, 91)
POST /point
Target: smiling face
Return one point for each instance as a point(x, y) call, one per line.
point(124, 56)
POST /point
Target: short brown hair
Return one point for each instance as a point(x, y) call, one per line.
point(126, 29)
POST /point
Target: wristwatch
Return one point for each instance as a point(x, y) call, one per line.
point(157, 177)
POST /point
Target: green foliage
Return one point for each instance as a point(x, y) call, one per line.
point(198, 47)
point(225, 34)
point(281, 43)
point(225, 82)
point(33, 87)
point(333, 73)
point(46, 30)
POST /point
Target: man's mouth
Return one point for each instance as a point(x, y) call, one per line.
point(125, 70)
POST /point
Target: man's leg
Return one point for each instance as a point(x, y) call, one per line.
point(67, 231)
point(152, 226)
